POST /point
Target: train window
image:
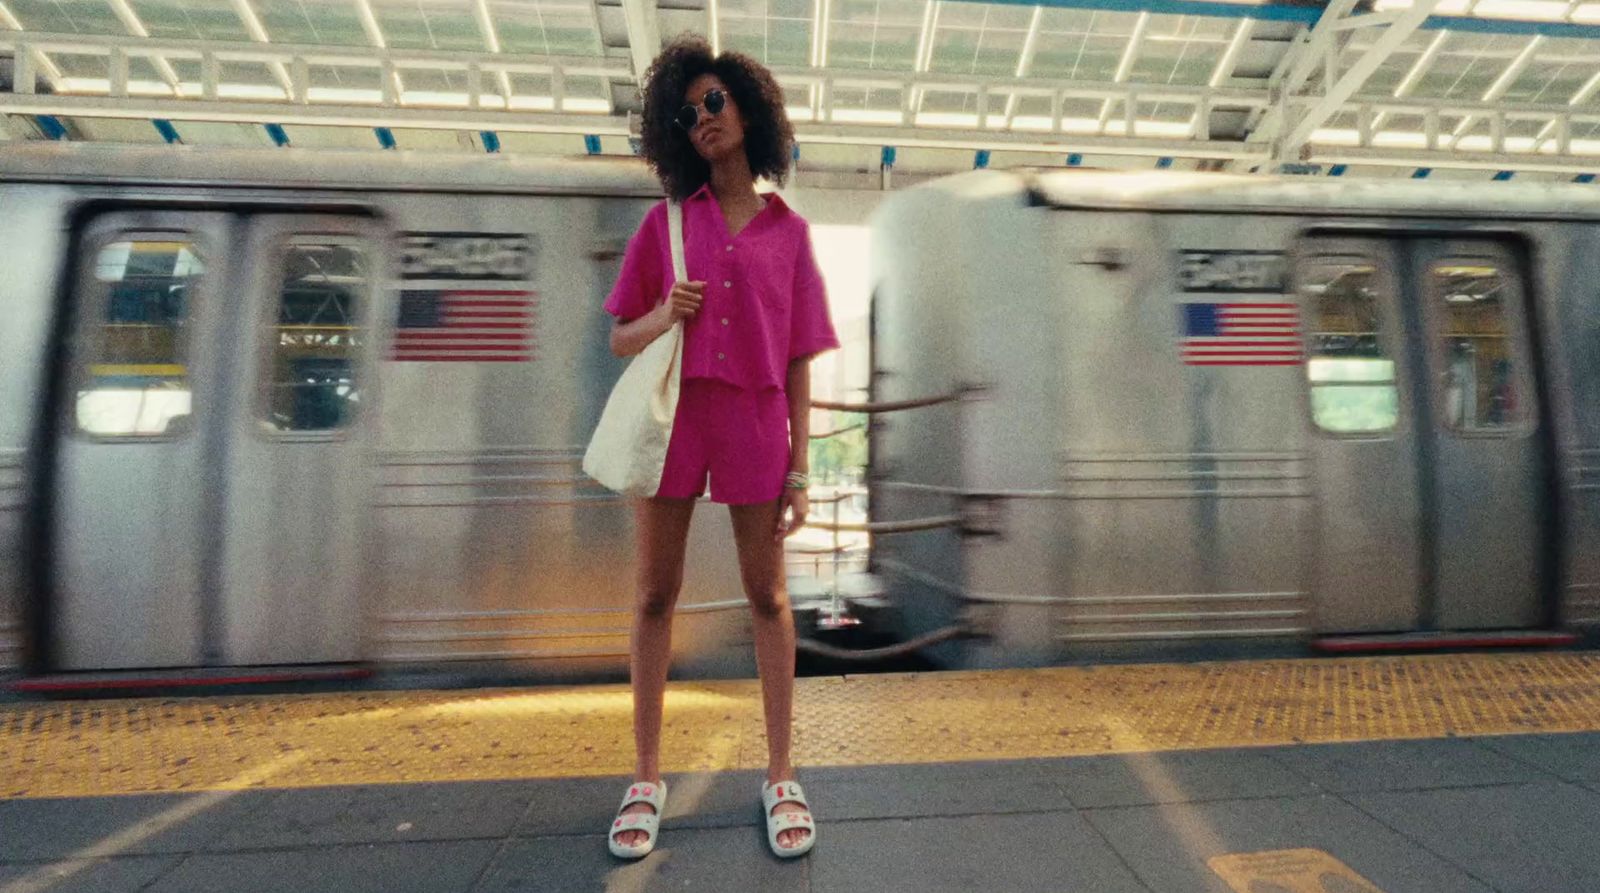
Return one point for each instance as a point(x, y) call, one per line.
point(1348, 365)
point(136, 383)
point(317, 336)
point(1477, 361)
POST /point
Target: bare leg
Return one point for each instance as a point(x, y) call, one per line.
point(761, 568)
point(662, 533)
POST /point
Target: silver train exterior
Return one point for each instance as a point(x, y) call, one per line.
point(311, 408)
point(1206, 407)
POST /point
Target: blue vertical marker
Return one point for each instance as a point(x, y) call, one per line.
point(167, 131)
point(52, 126)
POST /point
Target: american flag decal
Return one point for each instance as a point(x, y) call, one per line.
point(1240, 334)
point(465, 326)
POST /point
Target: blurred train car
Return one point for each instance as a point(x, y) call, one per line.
point(305, 408)
point(1188, 408)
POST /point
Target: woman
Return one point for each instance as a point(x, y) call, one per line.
point(754, 313)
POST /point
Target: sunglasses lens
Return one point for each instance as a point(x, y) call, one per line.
point(715, 100)
point(687, 117)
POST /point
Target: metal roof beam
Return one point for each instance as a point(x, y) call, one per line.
point(1418, 69)
point(491, 41)
point(130, 20)
point(924, 60)
point(258, 33)
point(364, 116)
point(369, 23)
point(1306, 14)
point(1030, 43)
point(1311, 50)
point(1130, 55)
point(644, 35)
point(325, 114)
point(355, 56)
point(1230, 57)
point(36, 58)
point(1501, 84)
point(1336, 94)
point(1491, 161)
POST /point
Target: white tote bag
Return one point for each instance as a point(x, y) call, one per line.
point(629, 448)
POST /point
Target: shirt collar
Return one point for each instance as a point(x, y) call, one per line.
point(778, 205)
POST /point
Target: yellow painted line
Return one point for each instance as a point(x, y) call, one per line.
point(166, 370)
point(136, 746)
point(1288, 871)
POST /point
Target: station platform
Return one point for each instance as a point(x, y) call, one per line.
point(1414, 774)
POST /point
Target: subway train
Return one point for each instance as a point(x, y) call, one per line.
point(1160, 412)
point(302, 409)
point(319, 409)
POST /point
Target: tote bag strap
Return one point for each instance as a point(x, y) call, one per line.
point(675, 233)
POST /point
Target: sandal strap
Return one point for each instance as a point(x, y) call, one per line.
point(647, 792)
point(645, 822)
point(790, 820)
point(783, 792)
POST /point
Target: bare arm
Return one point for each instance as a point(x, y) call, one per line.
point(633, 336)
point(795, 504)
point(798, 387)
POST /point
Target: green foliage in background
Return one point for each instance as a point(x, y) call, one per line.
point(842, 457)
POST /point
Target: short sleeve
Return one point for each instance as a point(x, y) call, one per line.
point(810, 328)
point(639, 285)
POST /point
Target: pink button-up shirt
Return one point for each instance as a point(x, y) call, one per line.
point(765, 303)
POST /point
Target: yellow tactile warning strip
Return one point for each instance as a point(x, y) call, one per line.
point(1288, 871)
point(134, 746)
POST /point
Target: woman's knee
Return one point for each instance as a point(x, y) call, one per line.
point(657, 599)
point(768, 601)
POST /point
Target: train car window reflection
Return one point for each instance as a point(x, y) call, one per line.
point(137, 379)
point(1479, 367)
point(317, 336)
point(1351, 375)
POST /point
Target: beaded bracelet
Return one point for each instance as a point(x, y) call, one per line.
point(797, 480)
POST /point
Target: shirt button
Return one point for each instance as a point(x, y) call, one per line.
point(721, 356)
point(729, 248)
point(724, 320)
point(727, 283)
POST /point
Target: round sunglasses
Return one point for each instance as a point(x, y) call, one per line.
point(713, 103)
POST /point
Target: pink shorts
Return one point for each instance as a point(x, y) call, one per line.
point(737, 436)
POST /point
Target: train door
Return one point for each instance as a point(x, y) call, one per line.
point(1429, 452)
point(208, 496)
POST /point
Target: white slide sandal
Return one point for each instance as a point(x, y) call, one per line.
point(653, 793)
point(787, 792)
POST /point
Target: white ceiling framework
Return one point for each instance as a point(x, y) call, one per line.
point(1483, 87)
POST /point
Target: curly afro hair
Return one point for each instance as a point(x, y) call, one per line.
point(768, 135)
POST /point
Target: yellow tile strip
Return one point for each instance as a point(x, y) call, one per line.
point(138, 746)
point(1288, 871)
